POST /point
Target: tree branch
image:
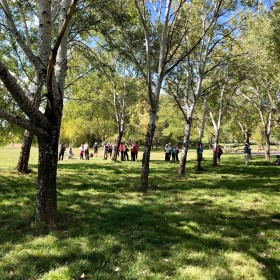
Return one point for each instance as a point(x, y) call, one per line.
point(52, 59)
point(21, 99)
point(24, 123)
point(19, 38)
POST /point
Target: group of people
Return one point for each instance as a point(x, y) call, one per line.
point(123, 151)
point(84, 151)
point(171, 152)
point(62, 148)
point(107, 149)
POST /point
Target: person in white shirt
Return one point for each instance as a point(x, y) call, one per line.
point(86, 149)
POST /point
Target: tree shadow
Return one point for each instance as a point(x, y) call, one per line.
point(101, 227)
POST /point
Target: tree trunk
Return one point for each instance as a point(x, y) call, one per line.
point(247, 137)
point(267, 148)
point(216, 141)
point(46, 200)
point(203, 119)
point(199, 168)
point(144, 182)
point(182, 166)
point(116, 146)
point(215, 162)
point(23, 160)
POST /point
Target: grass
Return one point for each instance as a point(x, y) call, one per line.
point(222, 223)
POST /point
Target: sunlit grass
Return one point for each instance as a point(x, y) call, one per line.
point(221, 223)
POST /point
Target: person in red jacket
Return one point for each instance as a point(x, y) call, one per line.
point(219, 152)
point(134, 152)
point(121, 149)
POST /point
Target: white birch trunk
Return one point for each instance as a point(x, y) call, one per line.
point(152, 93)
point(203, 119)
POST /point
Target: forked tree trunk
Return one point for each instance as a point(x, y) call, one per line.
point(46, 200)
point(144, 182)
point(23, 160)
point(182, 166)
point(247, 137)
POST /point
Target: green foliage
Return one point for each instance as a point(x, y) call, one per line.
point(275, 23)
point(222, 223)
point(9, 133)
point(109, 87)
point(170, 125)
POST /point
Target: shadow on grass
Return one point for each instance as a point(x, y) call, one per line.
point(104, 225)
point(116, 236)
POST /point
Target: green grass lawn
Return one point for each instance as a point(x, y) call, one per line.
point(222, 223)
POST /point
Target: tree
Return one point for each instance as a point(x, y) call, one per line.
point(49, 68)
point(222, 97)
point(103, 100)
point(242, 119)
point(260, 85)
point(170, 27)
point(155, 43)
point(190, 80)
point(13, 54)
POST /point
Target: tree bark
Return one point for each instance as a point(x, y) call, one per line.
point(144, 182)
point(267, 147)
point(46, 200)
point(50, 67)
point(116, 146)
point(215, 162)
point(203, 119)
point(246, 132)
point(44, 46)
point(182, 166)
point(23, 160)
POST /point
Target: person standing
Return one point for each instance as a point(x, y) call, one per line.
point(167, 152)
point(61, 151)
point(125, 153)
point(121, 149)
point(136, 148)
point(247, 153)
point(218, 152)
point(95, 149)
point(177, 152)
point(86, 149)
point(81, 151)
point(133, 151)
point(110, 149)
point(199, 152)
point(105, 151)
point(173, 153)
